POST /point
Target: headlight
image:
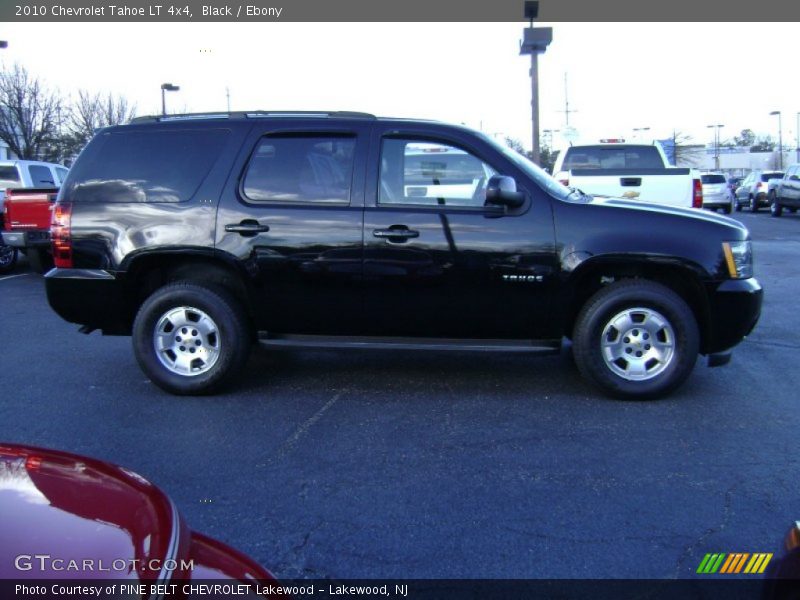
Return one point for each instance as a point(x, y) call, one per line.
point(738, 259)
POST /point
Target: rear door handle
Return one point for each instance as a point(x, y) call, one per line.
point(247, 228)
point(396, 232)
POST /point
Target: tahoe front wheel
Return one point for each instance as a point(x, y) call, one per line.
point(636, 339)
point(190, 339)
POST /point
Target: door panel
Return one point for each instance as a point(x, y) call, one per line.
point(434, 270)
point(294, 218)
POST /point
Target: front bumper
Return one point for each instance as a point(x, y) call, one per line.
point(734, 309)
point(89, 297)
point(27, 239)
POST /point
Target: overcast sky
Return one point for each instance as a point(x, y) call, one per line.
point(664, 76)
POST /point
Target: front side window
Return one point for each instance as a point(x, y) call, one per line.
point(431, 174)
point(315, 169)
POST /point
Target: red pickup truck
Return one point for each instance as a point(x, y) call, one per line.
point(26, 224)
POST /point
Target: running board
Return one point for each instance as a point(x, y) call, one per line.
point(406, 343)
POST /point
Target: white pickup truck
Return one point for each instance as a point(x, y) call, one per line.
point(638, 172)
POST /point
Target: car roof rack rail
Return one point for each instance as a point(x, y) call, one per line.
point(255, 114)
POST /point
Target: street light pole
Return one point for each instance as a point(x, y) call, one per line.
point(534, 42)
point(780, 138)
point(166, 87)
point(716, 129)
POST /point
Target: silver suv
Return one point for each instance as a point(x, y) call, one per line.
point(753, 191)
point(716, 193)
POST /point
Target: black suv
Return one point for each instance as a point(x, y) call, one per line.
point(201, 234)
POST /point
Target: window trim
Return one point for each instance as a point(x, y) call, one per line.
point(311, 133)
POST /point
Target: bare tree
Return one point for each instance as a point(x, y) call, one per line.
point(29, 114)
point(685, 153)
point(92, 112)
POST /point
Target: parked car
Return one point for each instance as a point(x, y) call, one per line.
point(198, 236)
point(753, 191)
point(66, 516)
point(786, 193)
point(23, 174)
point(29, 174)
point(782, 578)
point(639, 172)
point(716, 192)
point(27, 214)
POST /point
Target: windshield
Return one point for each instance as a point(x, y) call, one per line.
point(712, 178)
point(609, 156)
point(545, 181)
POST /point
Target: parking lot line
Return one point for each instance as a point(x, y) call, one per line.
point(13, 276)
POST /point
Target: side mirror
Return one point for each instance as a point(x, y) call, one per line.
point(502, 191)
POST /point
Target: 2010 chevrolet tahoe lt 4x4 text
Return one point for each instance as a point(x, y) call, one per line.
point(199, 235)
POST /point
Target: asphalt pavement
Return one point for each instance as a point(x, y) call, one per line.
point(438, 465)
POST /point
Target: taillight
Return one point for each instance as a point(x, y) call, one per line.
point(697, 194)
point(61, 235)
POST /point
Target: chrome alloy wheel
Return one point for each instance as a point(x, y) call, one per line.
point(187, 341)
point(638, 344)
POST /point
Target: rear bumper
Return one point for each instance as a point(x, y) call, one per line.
point(90, 297)
point(734, 309)
point(27, 239)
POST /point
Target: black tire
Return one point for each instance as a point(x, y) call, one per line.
point(738, 206)
point(775, 209)
point(40, 260)
point(726, 209)
point(753, 205)
point(636, 295)
point(231, 340)
point(8, 259)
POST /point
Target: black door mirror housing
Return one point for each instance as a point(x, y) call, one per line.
point(502, 191)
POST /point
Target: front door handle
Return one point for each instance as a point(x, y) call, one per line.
point(247, 228)
point(396, 233)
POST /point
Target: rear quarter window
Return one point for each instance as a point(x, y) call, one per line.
point(165, 165)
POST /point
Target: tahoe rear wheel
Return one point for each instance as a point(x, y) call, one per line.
point(190, 339)
point(636, 339)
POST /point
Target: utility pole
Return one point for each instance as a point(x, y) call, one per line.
point(566, 110)
point(228, 97)
point(534, 42)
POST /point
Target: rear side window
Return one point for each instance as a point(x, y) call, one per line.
point(301, 169)
point(712, 178)
point(612, 157)
point(144, 166)
point(9, 177)
point(41, 176)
